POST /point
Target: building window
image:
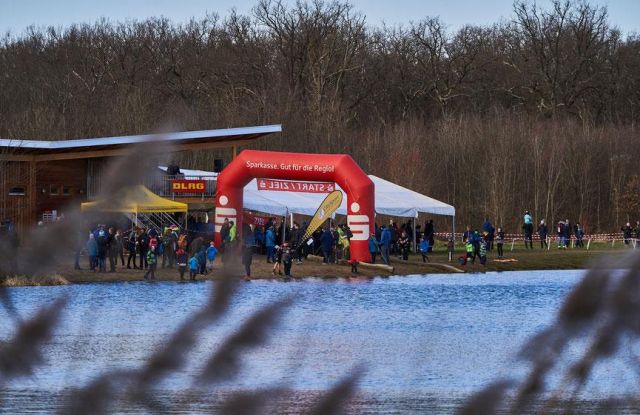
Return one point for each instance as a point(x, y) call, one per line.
point(66, 191)
point(17, 191)
point(53, 190)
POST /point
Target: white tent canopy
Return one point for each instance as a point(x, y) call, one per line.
point(390, 199)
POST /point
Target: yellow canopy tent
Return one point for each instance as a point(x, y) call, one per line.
point(134, 199)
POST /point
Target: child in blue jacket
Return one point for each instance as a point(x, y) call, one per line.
point(193, 267)
point(212, 251)
point(424, 249)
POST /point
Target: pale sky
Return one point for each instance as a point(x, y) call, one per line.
point(16, 15)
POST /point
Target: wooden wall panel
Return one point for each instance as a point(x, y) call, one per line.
point(15, 207)
point(70, 174)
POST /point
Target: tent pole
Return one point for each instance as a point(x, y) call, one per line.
point(414, 238)
point(284, 226)
point(453, 230)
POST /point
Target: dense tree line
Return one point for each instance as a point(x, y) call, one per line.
point(538, 112)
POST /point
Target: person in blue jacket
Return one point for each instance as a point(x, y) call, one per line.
point(92, 252)
point(259, 237)
point(424, 249)
point(212, 251)
point(326, 241)
point(270, 243)
point(489, 231)
point(202, 260)
point(385, 244)
point(193, 267)
point(374, 247)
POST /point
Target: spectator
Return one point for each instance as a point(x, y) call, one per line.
point(337, 252)
point(181, 260)
point(424, 249)
point(567, 232)
point(403, 244)
point(393, 232)
point(92, 252)
point(482, 250)
point(451, 247)
point(373, 247)
point(475, 242)
point(296, 241)
point(202, 260)
point(429, 234)
point(304, 251)
point(103, 246)
point(152, 260)
point(287, 259)
point(169, 243)
point(193, 267)
point(528, 230)
point(212, 251)
point(153, 240)
point(543, 233)
point(278, 261)
point(259, 238)
point(270, 243)
point(132, 247)
point(173, 169)
point(112, 249)
point(119, 241)
point(183, 240)
point(224, 234)
point(385, 242)
point(626, 233)
point(467, 234)
point(143, 244)
point(489, 231)
point(326, 244)
point(500, 242)
point(470, 252)
point(233, 232)
point(579, 232)
point(560, 233)
point(247, 258)
point(344, 242)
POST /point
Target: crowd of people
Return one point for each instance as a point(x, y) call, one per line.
point(631, 235)
point(108, 248)
point(145, 248)
point(479, 242)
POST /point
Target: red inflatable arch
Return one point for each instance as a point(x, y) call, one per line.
point(338, 168)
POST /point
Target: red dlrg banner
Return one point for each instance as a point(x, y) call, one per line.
point(188, 186)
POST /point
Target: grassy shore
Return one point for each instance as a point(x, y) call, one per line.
point(521, 260)
point(33, 281)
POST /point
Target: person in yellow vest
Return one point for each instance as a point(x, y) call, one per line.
point(233, 231)
point(343, 241)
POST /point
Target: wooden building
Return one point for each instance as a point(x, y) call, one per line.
point(40, 179)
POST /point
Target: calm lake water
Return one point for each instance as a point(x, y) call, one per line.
point(424, 341)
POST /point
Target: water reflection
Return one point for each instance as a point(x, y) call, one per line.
point(426, 341)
